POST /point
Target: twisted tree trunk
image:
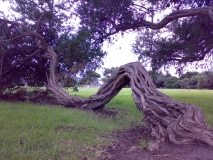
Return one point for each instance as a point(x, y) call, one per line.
point(179, 122)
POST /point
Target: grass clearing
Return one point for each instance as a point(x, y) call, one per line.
point(29, 131)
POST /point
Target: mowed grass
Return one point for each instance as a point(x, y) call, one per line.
point(200, 98)
point(29, 131)
point(33, 132)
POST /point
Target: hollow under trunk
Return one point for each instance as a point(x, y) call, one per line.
point(179, 122)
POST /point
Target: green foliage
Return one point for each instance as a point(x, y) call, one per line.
point(194, 80)
point(68, 82)
point(171, 82)
point(183, 41)
point(189, 80)
point(185, 83)
point(109, 72)
point(91, 78)
point(77, 53)
point(144, 144)
point(188, 40)
point(158, 78)
point(98, 15)
point(203, 82)
point(20, 56)
point(188, 75)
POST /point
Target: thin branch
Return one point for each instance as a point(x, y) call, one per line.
point(39, 23)
point(40, 41)
point(18, 62)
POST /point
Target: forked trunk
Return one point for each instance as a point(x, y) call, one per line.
point(178, 122)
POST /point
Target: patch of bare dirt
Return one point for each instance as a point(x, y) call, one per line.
point(128, 147)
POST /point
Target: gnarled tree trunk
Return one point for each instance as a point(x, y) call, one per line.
point(179, 122)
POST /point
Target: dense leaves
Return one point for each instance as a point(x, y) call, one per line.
point(109, 72)
point(23, 62)
point(91, 78)
point(189, 80)
point(184, 40)
point(76, 52)
point(189, 40)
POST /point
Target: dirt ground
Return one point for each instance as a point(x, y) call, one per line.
point(127, 147)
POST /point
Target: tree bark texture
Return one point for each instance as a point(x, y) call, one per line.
point(179, 122)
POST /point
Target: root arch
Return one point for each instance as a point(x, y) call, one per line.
point(179, 122)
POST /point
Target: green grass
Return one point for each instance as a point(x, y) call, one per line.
point(200, 98)
point(30, 131)
point(144, 144)
point(123, 102)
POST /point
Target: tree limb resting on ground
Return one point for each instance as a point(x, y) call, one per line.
point(179, 122)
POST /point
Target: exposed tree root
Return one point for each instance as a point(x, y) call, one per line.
point(179, 122)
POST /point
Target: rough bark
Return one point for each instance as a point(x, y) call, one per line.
point(179, 122)
point(167, 19)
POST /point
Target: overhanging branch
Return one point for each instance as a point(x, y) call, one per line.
point(166, 20)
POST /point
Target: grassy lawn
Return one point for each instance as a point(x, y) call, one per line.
point(200, 98)
point(29, 131)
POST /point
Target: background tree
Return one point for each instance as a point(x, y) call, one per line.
point(109, 72)
point(203, 82)
point(76, 52)
point(171, 82)
point(183, 41)
point(158, 78)
point(91, 78)
point(178, 122)
point(183, 44)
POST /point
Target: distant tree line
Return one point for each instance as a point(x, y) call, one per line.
point(189, 80)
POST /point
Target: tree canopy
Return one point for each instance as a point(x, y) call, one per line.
point(109, 72)
point(189, 25)
point(20, 52)
point(178, 122)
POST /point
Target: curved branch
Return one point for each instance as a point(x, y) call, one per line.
point(174, 15)
point(178, 122)
point(40, 41)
